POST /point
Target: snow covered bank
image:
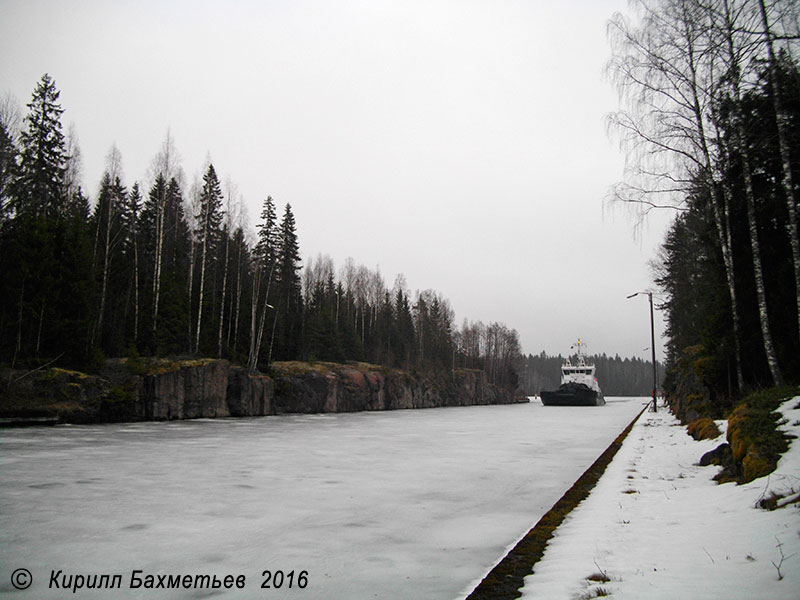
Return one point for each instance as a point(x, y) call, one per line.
point(657, 526)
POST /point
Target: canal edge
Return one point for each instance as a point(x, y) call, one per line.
point(506, 579)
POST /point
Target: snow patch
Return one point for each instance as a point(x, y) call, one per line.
point(659, 527)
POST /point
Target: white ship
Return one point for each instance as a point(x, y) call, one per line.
point(578, 387)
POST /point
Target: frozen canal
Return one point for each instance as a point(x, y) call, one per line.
point(402, 504)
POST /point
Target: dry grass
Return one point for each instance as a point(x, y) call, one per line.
point(704, 429)
point(756, 441)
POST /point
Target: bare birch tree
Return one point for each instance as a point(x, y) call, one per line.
point(265, 259)
point(230, 191)
point(240, 220)
point(111, 235)
point(165, 166)
point(734, 19)
point(10, 120)
point(781, 121)
point(74, 164)
point(664, 68)
point(133, 211)
point(209, 220)
point(194, 210)
point(683, 69)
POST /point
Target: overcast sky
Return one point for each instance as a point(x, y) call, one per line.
point(459, 143)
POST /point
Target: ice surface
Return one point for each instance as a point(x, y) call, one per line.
point(401, 504)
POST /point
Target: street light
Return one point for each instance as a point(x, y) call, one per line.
point(652, 344)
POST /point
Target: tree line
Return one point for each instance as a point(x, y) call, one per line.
point(616, 376)
point(170, 269)
point(712, 123)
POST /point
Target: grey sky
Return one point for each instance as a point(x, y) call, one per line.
point(459, 143)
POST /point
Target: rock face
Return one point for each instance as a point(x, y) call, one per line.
point(158, 389)
point(201, 388)
point(330, 387)
point(248, 395)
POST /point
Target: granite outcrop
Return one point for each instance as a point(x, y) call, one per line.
point(161, 389)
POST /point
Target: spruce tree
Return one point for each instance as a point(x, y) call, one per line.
point(208, 234)
point(404, 346)
point(45, 289)
point(265, 256)
point(109, 239)
point(152, 228)
point(38, 186)
point(239, 295)
point(131, 223)
point(288, 325)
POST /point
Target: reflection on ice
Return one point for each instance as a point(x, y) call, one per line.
point(403, 504)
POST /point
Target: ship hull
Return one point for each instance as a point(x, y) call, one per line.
point(573, 395)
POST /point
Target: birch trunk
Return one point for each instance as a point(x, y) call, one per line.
point(721, 219)
point(238, 308)
point(263, 319)
point(740, 141)
point(135, 288)
point(157, 263)
point(106, 251)
point(252, 357)
point(192, 249)
point(202, 278)
point(39, 330)
point(786, 164)
point(224, 291)
point(233, 317)
point(272, 338)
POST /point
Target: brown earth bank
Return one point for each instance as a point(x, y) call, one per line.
point(139, 389)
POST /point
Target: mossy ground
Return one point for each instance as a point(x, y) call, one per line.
point(158, 366)
point(753, 434)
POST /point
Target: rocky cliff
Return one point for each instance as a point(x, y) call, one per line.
point(200, 388)
point(332, 387)
point(158, 389)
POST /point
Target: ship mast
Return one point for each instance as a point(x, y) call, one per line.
point(579, 343)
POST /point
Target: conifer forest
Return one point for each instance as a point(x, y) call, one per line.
point(168, 269)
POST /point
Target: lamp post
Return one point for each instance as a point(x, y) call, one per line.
point(652, 345)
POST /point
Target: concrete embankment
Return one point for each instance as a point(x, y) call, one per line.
point(504, 581)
